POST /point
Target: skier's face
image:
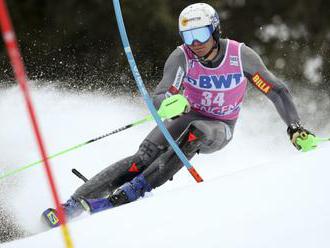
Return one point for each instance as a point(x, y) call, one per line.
point(202, 49)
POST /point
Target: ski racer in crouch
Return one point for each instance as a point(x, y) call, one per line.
point(212, 74)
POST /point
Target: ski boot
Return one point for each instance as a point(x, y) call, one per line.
point(126, 193)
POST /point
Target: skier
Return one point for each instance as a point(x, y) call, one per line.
point(212, 74)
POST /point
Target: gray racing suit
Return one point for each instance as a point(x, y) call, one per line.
point(155, 159)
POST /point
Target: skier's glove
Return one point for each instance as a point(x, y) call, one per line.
point(301, 138)
point(173, 106)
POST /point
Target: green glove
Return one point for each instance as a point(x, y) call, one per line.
point(173, 106)
point(301, 138)
point(307, 142)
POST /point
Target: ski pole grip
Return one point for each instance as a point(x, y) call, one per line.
point(308, 143)
point(173, 106)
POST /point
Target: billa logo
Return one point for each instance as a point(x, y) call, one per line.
point(261, 84)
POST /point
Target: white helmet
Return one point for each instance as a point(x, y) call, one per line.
point(200, 20)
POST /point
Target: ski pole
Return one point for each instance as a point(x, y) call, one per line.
point(322, 139)
point(25, 167)
point(79, 175)
point(144, 93)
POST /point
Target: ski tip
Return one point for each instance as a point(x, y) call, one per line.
point(50, 217)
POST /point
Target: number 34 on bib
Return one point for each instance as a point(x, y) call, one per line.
point(210, 99)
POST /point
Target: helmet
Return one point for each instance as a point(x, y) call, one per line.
point(198, 22)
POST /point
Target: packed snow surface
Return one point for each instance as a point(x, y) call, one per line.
point(257, 192)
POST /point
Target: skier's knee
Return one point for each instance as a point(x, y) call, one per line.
point(168, 164)
point(148, 152)
point(214, 135)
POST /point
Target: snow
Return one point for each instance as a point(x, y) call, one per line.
point(313, 69)
point(257, 192)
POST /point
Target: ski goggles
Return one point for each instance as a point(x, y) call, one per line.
point(202, 35)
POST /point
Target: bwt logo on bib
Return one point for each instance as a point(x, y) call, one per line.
point(227, 81)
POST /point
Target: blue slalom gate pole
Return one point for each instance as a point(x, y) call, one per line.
point(145, 94)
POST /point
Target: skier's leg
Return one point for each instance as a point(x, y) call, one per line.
point(102, 184)
point(106, 181)
point(118, 173)
point(132, 190)
point(109, 179)
point(201, 136)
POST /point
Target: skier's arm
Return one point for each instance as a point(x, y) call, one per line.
point(174, 71)
point(257, 73)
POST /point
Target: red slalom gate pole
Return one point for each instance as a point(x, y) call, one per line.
point(20, 75)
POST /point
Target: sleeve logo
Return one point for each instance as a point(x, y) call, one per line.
point(261, 84)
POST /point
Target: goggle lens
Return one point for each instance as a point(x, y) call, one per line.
point(202, 35)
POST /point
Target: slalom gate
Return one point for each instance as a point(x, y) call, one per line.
point(20, 75)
